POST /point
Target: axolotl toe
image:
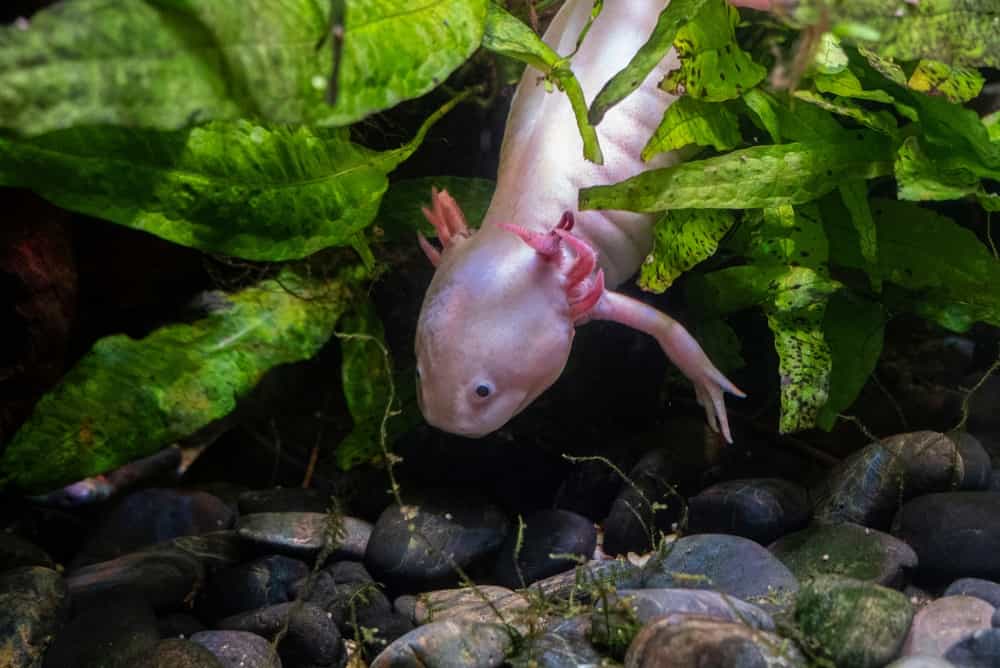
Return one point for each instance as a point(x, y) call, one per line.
point(497, 323)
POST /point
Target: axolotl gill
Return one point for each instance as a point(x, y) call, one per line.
point(498, 319)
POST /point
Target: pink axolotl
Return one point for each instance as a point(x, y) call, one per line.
point(498, 319)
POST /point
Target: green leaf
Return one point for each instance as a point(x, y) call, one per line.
point(992, 123)
point(510, 37)
point(129, 398)
point(881, 120)
point(689, 121)
point(847, 84)
point(854, 195)
point(784, 122)
point(958, 32)
point(721, 344)
point(830, 57)
point(169, 64)
point(400, 216)
point(921, 178)
point(789, 236)
point(682, 239)
point(649, 55)
point(957, 84)
point(756, 177)
point(956, 137)
point(231, 187)
point(713, 66)
point(854, 329)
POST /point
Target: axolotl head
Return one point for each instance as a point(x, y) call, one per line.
point(495, 328)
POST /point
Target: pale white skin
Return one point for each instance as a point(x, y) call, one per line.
point(496, 326)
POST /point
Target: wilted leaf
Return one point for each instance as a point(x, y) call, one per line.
point(510, 37)
point(400, 215)
point(689, 121)
point(129, 398)
point(958, 84)
point(713, 66)
point(853, 328)
point(682, 239)
point(169, 64)
point(761, 176)
point(675, 15)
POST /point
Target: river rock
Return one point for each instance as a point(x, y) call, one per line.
point(415, 547)
point(976, 464)
point(164, 577)
point(648, 604)
point(283, 500)
point(215, 550)
point(589, 489)
point(846, 549)
point(16, 552)
point(481, 604)
point(255, 584)
point(179, 625)
point(955, 534)
point(549, 542)
point(624, 532)
point(177, 653)
point(731, 565)
point(33, 604)
point(983, 589)
point(565, 643)
point(238, 649)
point(979, 650)
point(113, 632)
point(761, 509)
point(920, 662)
point(310, 637)
point(855, 624)
point(447, 644)
point(867, 487)
point(689, 641)
point(303, 535)
point(942, 623)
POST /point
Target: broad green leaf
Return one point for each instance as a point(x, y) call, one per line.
point(956, 137)
point(129, 398)
point(763, 112)
point(880, 120)
point(721, 344)
point(682, 239)
point(920, 178)
point(713, 66)
point(958, 32)
point(761, 176)
point(622, 84)
point(510, 37)
point(854, 195)
point(400, 215)
point(830, 57)
point(846, 84)
point(689, 121)
point(231, 187)
point(790, 236)
point(368, 388)
point(958, 84)
point(854, 328)
point(786, 121)
point(169, 64)
point(992, 123)
point(884, 66)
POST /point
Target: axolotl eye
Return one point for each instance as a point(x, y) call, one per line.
point(484, 390)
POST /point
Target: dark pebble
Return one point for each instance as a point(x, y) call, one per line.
point(976, 464)
point(646, 605)
point(33, 605)
point(564, 643)
point(238, 649)
point(152, 516)
point(179, 625)
point(255, 584)
point(447, 644)
point(113, 632)
point(761, 509)
point(549, 542)
point(984, 589)
point(215, 550)
point(415, 548)
point(955, 534)
point(868, 486)
point(995, 481)
point(283, 500)
point(310, 635)
point(589, 489)
point(979, 650)
point(166, 578)
point(16, 552)
point(846, 549)
point(945, 621)
point(177, 653)
point(303, 535)
point(631, 519)
point(729, 564)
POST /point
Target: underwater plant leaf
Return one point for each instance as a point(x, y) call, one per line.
point(854, 329)
point(956, 137)
point(992, 123)
point(756, 177)
point(830, 57)
point(690, 121)
point(713, 66)
point(508, 36)
point(854, 195)
point(681, 239)
point(649, 55)
point(721, 344)
point(957, 84)
point(789, 236)
point(846, 84)
point(881, 120)
point(920, 178)
point(957, 32)
point(169, 64)
point(129, 398)
point(400, 216)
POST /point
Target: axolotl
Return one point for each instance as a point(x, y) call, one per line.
point(497, 322)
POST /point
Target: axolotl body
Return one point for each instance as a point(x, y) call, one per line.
point(497, 322)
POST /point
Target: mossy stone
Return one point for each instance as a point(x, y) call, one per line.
point(855, 624)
